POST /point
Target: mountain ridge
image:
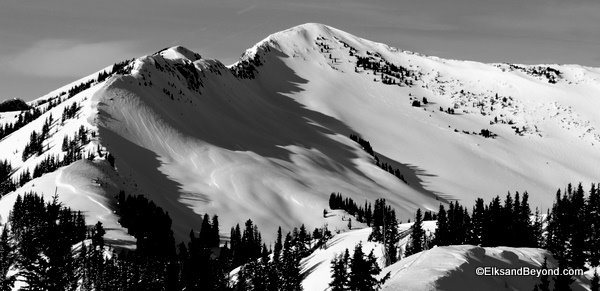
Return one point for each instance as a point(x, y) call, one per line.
point(201, 131)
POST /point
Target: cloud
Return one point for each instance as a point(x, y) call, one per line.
point(60, 58)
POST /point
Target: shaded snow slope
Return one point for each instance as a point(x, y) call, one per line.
point(235, 148)
point(454, 268)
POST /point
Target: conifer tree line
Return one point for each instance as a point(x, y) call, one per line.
point(36, 139)
point(362, 213)
point(50, 163)
point(358, 273)
point(6, 184)
point(70, 111)
point(507, 223)
point(571, 234)
point(35, 144)
point(72, 147)
point(498, 223)
point(573, 228)
point(30, 115)
point(24, 118)
point(281, 271)
point(383, 165)
point(37, 241)
point(385, 230)
point(389, 72)
point(381, 218)
point(120, 68)
point(53, 249)
point(148, 223)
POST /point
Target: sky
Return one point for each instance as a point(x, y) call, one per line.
point(46, 44)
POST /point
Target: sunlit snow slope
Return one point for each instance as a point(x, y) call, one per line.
point(267, 138)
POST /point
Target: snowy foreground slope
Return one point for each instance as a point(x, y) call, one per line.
point(267, 138)
point(316, 268)
point(454, 268)
point(440, 268)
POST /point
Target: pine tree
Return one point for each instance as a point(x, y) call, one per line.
point(507, 228)
point(358, 270)
point(340, 277)
point(290, 266)
point(529, 233)
point(593, 218)
point(236, 245)
point(205, 236)
point(303, 240)
point(491, 236)
point(478, 221)
point(441, 232)
point(385, 229)
point(578, 235)
point(364, 271)
point(417, 236)
point(6, 261)
point(215, 240)
point(392, 237)
point(278, 247)
point(537, 229)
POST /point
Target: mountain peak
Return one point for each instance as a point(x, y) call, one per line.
point(179, 52)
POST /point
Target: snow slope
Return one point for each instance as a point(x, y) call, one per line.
point(560, 144)
point(267, 138)
point(454, 268)
point(316, 268)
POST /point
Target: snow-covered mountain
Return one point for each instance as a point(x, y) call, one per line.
point(267, 138)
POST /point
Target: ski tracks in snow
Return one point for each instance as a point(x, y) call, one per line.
point(89, 195)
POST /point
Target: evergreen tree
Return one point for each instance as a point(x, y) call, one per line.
point(6, 260)
point(417, 236)
point(278, 247)
point(478, 220)
point(578, 233)
point(215, 236)
point(290, 269)
point(205, 236)
point(441, 231)
point(491, 235)
point(364, 271)
point(385, 229)
point(593, 219)
point(340, 277)
point(506, 227)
